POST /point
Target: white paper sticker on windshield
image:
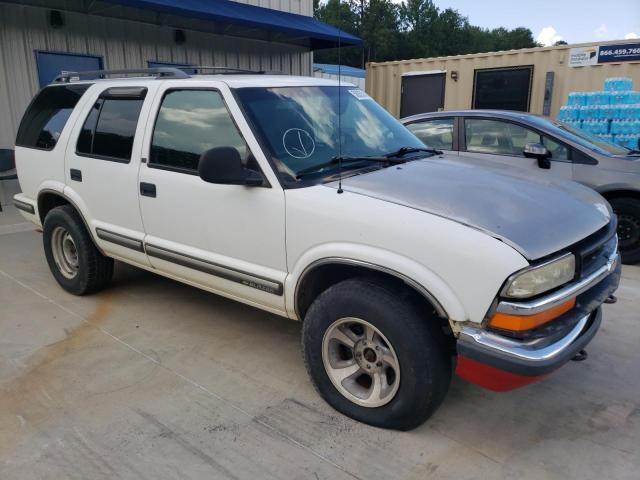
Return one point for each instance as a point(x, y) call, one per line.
point(359, 94)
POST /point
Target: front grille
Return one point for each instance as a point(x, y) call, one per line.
point(594, 251)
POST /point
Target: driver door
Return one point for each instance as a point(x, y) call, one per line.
point(500, 144)
point(226, 238)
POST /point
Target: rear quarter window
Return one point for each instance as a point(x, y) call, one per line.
point(109, 129)
point(47, 115)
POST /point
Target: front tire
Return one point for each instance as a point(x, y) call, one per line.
point(73, 259)
point(374, 355)
point(628, 213)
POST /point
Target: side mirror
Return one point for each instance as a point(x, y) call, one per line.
point(223, 165)
point(539, 151)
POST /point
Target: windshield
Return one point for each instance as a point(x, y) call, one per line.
point(299, 126)
point(585, 139)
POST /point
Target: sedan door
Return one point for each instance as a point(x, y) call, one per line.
point(500, 144)
point(225, 238)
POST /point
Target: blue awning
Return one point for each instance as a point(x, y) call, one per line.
point(256, 22)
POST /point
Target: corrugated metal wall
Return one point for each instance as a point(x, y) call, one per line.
point(384, 79)
point(301, 7)
point(123, 44)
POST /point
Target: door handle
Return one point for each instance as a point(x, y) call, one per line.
point(147, 189)
point(75, 174)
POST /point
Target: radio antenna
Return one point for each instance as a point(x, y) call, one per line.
point(339, 98)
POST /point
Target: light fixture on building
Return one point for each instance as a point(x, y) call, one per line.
point(56, 20)
point(179, 37)
point(454, 75)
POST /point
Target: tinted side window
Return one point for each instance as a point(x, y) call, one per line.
point(47, 115)
point(434, 133)
point(189, 123)
point(110, 128)
point(558, 151)
point(496, 137)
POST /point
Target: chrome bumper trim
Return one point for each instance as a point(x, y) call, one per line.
point(537, 350)
point(556, 298)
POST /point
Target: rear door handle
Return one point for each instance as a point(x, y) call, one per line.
point(147, 189)
point(75, 175)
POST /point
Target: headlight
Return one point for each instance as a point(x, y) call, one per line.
point(541, 278)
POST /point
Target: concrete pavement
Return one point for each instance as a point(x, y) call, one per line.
point(152, 379)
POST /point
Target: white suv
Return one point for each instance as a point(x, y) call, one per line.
point(305, 198)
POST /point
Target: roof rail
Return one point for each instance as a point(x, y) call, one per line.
point(160, 72)
point(198, 69)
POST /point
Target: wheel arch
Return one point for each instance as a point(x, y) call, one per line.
point(325, 272)
point(621, 192)
point(49, 199)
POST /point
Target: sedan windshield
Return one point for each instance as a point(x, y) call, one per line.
point(585, 139)
point(304, 128)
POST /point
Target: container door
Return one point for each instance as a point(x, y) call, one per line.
point(422, 93)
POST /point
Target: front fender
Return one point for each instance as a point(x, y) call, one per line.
point(412, 272)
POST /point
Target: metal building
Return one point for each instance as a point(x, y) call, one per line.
point(40, 38)
point(536, 80)
point(345, 73)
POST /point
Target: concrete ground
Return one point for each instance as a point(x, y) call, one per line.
point(152, 379)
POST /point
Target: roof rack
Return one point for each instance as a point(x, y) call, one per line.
point(198, 69)
point(160, 72)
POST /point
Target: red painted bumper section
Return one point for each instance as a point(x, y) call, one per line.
point(490, 377)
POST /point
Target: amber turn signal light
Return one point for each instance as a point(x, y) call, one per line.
point(520, 323)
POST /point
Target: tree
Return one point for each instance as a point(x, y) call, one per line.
point(413, 29)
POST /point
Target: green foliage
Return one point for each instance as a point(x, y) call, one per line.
point(412, 29)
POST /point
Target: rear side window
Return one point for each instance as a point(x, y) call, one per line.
point(110, 127)
point(437, 133)
point(47, 115)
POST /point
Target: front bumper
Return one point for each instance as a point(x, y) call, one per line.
point(500, 363)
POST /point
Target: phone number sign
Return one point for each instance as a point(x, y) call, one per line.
point(629, 52)
point(585, 56)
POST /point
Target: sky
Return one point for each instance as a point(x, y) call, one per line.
point(573, 21)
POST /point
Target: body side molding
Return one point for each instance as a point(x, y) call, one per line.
point(118, 239)
point(24, 206)
point(248, 279)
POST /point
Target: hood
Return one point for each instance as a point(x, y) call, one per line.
point(536, 218)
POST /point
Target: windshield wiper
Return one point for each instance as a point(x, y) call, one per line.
point(406, 150)
point(347, 160)
point(634, 151)
point(390, 158)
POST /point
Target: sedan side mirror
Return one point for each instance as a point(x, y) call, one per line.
point(223, 165)
point(539, 151)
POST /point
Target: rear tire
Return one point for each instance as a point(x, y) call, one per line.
point(74, 260)
point(628, 211)
point(389, 332)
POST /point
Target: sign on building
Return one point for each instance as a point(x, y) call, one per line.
point(593, 55)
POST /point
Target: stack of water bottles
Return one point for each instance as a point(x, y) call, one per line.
point(612, 114)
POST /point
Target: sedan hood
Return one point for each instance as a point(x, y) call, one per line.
point(534, 217)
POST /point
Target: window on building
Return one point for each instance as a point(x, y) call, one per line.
point(109, 130)
point(47, 115)
point(497, 137)
point(189, 123)
point(435, 133)
point(503, 88)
